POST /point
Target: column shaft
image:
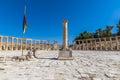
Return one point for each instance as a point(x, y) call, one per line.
point(1, 43)
point(105, 44)
point(35, 44)
point(6, 43)
point(16, 43)
point(117, 43)
point(26, 44)
point(111, 44)
point(12, 43)
point(100, 43)
point(31, 45)
point(21, 44)
point(65, 35)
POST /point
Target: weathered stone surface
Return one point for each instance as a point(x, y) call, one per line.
point(2, 69)
point(86, 65)
point(65, 55)
point(96, 79)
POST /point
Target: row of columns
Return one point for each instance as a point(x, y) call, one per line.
point(9, 43)
point(108, 43)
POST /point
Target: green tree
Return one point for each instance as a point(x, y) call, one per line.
point(95, 35)
point(77, 38)
point(99, 32)
point(118, 26)
point(108, 32)
point(84, 35)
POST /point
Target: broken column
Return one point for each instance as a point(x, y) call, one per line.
point(65, 53)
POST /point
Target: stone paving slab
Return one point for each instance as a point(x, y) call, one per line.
point(87, 65)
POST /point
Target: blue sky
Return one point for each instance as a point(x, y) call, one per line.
point(44, 17)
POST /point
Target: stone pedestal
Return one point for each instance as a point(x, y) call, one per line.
point(65, 55)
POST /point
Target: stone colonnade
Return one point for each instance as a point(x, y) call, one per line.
point(13, 43)
point(107, 43)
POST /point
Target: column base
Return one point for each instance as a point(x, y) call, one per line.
point(65, 55)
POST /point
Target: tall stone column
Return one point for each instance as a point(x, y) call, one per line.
point(6, 48)
point(31, 44)
point(117, 42)
point(21, 44)
point(65, 34)
point(100, 43)
point(75, 45)
point(39, 44)
point(72, 44)
point(0, 42)
point(16, 43)
point(12, 43)
point(26, 45)
point(95, 45)
point(79, 45)
point(48, 45)
point(111, 44)
point(65, 53)
point(86, 44)
point(91, 44)
point(83, 44)
point(42, 45)
point(105, 44)
point(35, 44)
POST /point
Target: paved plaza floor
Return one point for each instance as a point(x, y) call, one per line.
point(86, 65)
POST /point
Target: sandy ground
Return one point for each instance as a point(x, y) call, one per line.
point(87, 65)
